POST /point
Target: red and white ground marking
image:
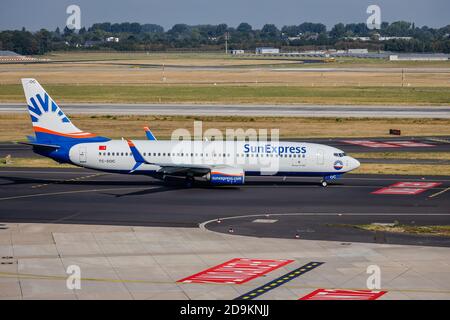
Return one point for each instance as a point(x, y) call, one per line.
point(423, 185)
point(407, 188)
point(332, 294)
point(389, 144)
point(411, 144)
point(370, 144)
point(236, 271)
point(403, 191)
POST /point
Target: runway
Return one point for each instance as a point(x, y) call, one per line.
point(427, 144)
point(358, 111)
point(79, 196)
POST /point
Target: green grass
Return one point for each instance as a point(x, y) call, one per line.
point(235, 94)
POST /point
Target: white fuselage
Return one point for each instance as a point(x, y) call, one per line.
point(255, 158)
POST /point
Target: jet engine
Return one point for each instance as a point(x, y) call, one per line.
point(226, 176)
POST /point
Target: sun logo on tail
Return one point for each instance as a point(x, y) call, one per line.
point(46, 108)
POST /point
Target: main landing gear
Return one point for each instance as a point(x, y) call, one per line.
point(324, 183)
point(190, 180)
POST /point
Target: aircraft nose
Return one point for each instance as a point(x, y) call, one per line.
point(355, 164)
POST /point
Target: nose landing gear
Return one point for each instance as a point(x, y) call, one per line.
point(324, 181)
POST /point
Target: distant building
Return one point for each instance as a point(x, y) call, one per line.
point(419, 57)
point(394, 38)
point(358, 51)
point(359, 38)
point(237, 51)
point(267, 50)
point(377, 37)
point(112, 39)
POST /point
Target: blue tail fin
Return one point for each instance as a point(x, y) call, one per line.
point(50, 124)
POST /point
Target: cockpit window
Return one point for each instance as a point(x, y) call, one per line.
point(340, 155)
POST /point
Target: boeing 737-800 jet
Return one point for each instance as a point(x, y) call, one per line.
point(219, 162)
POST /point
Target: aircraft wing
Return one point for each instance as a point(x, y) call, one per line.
point(183, 170)
point(168, 168)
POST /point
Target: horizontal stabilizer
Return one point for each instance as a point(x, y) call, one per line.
point(41, 145)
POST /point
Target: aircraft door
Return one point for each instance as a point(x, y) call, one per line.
point(83, 154)
point(320, 159)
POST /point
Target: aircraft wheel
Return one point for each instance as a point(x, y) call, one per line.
point(324, 183)
point(189, 181)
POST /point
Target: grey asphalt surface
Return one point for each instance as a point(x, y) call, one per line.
point(437, 144)
point(79, 196)
point(249, 110)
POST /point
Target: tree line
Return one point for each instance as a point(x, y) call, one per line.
point(152, 37)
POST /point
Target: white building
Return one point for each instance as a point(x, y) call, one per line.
point(267, 50)
point(112, 39)
point(419, 57)
point(359, 38)
point(394, 38)
point(358, 51)
point(237, 51)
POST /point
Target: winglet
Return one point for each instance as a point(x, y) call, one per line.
point(149, 134)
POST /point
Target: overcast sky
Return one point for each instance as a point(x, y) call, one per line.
point(34, 15)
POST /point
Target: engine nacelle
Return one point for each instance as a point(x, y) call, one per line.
point(226, 175)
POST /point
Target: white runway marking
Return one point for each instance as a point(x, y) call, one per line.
point(202, 225)
point(71, 192)
point(439, 193)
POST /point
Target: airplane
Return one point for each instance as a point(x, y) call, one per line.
point(217, 162)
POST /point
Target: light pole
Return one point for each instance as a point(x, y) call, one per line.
point(227, 35)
